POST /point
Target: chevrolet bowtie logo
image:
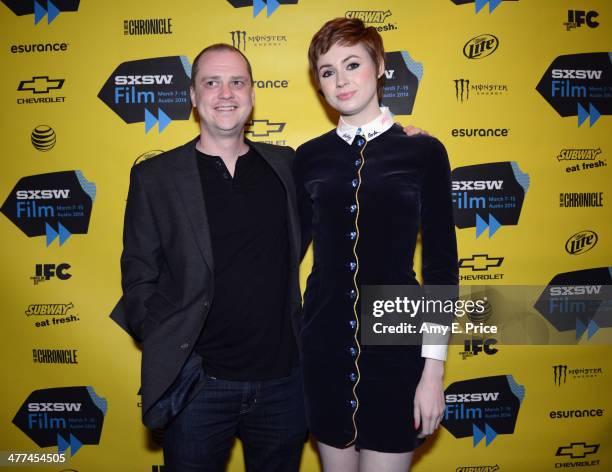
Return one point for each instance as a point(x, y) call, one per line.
point(479, 262)
point(263, 128)
point(577, 450)
point(40, 84)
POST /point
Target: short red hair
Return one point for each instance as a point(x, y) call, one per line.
point(346, 32)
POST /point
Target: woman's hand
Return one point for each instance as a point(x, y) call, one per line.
point(429, 401)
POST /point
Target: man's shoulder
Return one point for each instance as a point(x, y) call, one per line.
point(164, 161)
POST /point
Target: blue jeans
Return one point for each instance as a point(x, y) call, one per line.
point(268, 416)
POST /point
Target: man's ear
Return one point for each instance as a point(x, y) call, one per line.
point(192, 96)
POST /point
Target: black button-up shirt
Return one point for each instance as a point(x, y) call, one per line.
point(248, 334)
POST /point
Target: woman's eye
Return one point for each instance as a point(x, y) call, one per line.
point(326, 73)
point(352, 65)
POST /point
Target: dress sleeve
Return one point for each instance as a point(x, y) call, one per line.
point(439, 243)
point(304, 201)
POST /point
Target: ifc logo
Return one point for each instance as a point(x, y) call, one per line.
point(43, 138)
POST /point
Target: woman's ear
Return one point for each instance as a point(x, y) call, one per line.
point(381, 67)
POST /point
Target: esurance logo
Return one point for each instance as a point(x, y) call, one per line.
point(579, 85)
point(488, 195)
point(41, 8)
point(65, 417)
point(55, 205)
point(483, 407)
point(150, 90)
point(579, 301)
point(402, 78)
point(375, 18)
point(259, 5)
point(480, 4)
point(480, 46)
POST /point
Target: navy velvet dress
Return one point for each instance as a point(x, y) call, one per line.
point(363, 204)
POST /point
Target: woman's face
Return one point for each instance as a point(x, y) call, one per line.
point(348, 79)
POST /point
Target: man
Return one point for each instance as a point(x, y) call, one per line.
point(210, 284)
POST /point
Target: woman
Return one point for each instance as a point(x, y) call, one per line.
point(364, 191)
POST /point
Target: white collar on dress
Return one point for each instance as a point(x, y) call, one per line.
point(370, 130)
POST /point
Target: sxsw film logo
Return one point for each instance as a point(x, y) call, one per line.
point(579, 85)
point(240, 39)
point(480, 4)
point(56, 205)
point(40, 85)
point(259, 5)
point(574, 451)
point(64, 417)
point(472, 347)
point(48, 314)
point(483, 265)
point(483, 407)
point(41, 8)
point(578, 301)
point(561, 372)
point(150, 90)
point(581, 242)
point(402, 78)
point(480, 46)
point(488, 195)
point(44, 272)
point(581, 159)
point(265, 129)
point(375, 18)
point(464, 88)
point(578, 18)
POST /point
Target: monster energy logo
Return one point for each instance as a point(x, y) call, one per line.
point(560, 373)
point(462, 89)
point(239, 39)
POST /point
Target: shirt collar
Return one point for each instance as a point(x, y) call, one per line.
point(370, 130)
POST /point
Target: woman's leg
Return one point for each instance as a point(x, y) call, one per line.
point(373, 461)
point(338, 460)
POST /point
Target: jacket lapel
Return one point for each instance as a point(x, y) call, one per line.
point(189, 187)
point(284, 173)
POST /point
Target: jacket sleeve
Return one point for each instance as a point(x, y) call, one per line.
point(304, 201)
point(141, 259)
point(439, 242)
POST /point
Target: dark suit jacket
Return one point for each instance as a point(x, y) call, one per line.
point(167, 262)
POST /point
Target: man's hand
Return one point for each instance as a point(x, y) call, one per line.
point(429, 401)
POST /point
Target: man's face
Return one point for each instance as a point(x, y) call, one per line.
point(223, 93)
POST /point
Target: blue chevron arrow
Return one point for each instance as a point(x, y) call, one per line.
point(258, 5)
point(75, 445)
point(580, 328)
point(151, 119)
point(51, 234)
point(481, 225)
point(62, 444)
point(592, 328)
point(490, 433)
point(593, 114)
point(39, 12)
point(272, 6)
point(493, 4)
point(494, 225)
point(478, 435)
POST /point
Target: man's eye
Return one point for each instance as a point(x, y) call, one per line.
point(352, 65)
point(210, 83)
point(326, 73)
point(238, 83)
